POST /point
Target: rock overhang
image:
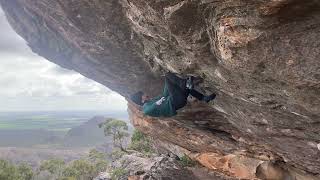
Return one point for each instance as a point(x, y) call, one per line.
point(260, 57)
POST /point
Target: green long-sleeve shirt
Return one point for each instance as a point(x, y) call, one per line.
point(165, 109)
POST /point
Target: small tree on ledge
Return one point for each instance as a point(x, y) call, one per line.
point(118, 130)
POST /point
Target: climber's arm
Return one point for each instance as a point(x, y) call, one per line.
point(151, 109)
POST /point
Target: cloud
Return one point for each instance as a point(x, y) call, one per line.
point(30, 82)
point(61, 71)
point(10, 42)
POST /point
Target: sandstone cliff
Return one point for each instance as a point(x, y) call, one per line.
point(260, 56)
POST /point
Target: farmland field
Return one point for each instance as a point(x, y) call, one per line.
point(52, 129)
point(54, 121)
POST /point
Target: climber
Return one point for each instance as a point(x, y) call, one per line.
point(173, 97)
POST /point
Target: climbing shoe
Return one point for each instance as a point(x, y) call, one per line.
point(189, 84)
point(209, 98)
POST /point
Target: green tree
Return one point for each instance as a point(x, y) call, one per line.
point(54, 166)
point(25, 171)
point(118, 130)
point(9, 171)
point(69, 173)
point(81, 170)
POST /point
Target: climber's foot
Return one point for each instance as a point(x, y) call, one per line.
point(209, 98)
point(189, 82)
point(197, 80)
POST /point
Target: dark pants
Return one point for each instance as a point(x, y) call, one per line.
point(179, 92)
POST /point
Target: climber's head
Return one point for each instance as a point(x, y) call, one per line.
point(139, 98)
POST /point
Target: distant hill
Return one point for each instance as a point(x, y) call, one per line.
point(34, 146)
point(86, 134)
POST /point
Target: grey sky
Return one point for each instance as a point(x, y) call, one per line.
point(29, 82)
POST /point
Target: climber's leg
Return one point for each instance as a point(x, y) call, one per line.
point(181, 83)
point(179, 96)
point(196, 94)
point(202, 97)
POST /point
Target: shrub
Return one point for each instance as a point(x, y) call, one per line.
point(116, 154)
point(54, 166)
point(9, 171)
point(141, 143)
point(117, 173)
point(95, 155)
point(82, 169)
point(25, 171)
point(186, 161)
point(98, 159)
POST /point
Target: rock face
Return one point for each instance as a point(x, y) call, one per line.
point(260, 57)
point(164, 167)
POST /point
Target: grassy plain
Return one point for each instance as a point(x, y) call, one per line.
point(40, 122)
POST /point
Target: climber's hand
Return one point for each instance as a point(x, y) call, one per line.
point(159, 102)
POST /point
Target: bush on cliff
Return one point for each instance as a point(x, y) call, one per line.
point(186, 161)
point(82, 169)
point(117, 173)
point(141, 143)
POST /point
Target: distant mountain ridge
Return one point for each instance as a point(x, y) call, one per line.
point(86, 134)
